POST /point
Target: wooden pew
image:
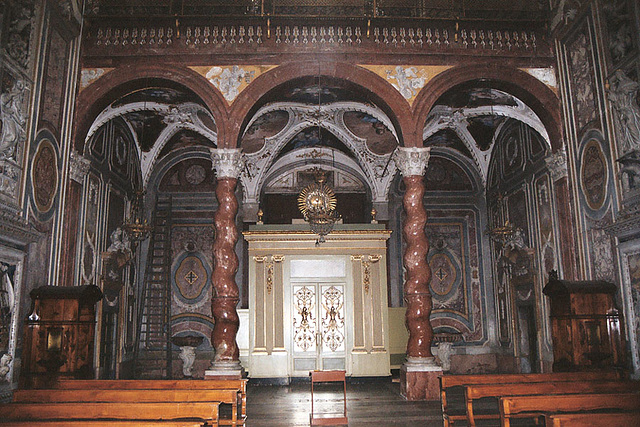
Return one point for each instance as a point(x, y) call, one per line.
point(537, 406)
point(606, 419)
point(239, 386)
point(202, 412)
point(476, 392)
point(102, 423)
point(449, 382)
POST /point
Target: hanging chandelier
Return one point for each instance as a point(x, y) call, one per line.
point(317, 202)
point(136, 226)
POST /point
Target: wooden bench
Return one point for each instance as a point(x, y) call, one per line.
point(538, 406)
point(238, 386)
point(451, 383)
point(200, 412)
point(483, 391)
point(607, 419)
point(102, 423)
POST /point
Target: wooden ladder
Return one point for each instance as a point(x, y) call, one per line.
point(153, 350)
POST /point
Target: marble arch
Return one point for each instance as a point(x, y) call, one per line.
point(387, 97)
point(99, 95)
point(535, 94)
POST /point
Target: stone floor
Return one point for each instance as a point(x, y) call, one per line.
point(369, 403)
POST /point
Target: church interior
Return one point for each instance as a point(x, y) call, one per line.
point(255, 190)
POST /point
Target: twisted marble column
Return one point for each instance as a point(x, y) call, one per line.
point(228, 165)
point(412, 163)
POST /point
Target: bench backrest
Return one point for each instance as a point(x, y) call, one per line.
point(447, 381)
point(473, 392)
point(109, 395)
point(152, 384)
point(605, 419)
point(108, 410)
point(511, 405)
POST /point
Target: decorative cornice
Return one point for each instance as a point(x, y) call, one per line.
point(227, 162)
point(15, 230)
point(78, 166)
point(412, 160)
point(626, 225)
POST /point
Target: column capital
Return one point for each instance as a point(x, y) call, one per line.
point(227, 162)
point(412, 160)
point(557, 164)
point(78, 166)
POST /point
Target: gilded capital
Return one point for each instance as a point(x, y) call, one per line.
point(412, 160)
point(227, 162)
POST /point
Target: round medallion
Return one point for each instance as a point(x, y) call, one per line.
point(195, 174)
point(593, 175)
point(44, 175)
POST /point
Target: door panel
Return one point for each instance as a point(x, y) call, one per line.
point(318, 327)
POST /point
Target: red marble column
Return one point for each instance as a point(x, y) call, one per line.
point(226, 363)
point(416, 287)
point(419, 374)
point(226, 295)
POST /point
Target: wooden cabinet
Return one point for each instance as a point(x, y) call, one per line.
point(586, 325)
point(59, 334)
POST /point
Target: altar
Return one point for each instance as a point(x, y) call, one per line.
point(317, 306)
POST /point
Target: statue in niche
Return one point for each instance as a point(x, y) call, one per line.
point(7, 300)
point(622, 95)
point(13, 120)
point(5, 362)
point(116, 257)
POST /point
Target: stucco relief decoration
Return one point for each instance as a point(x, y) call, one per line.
point(412, 161)
point(620, 25)
point(601, 252)
point(14, 120)
point(408, 80)
point(557, 164)
point(582, 80)
point(19, 32)
point(563, 11)
point(78, 166)
point(90, 75)
point(634, 277)
point(44, 175)
point(593, 175)
point(228, 80)
point(623, 95)
point(227, 162)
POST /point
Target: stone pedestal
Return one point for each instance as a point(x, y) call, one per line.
point(231, 370)
point(419, 379)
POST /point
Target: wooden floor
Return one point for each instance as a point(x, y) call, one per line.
point(371, 403)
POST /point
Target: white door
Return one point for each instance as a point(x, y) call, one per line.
point(318, 332)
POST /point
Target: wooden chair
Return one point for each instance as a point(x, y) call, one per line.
point(328, 377)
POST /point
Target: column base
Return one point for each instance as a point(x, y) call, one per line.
point(419, 379)
point(224, 371)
